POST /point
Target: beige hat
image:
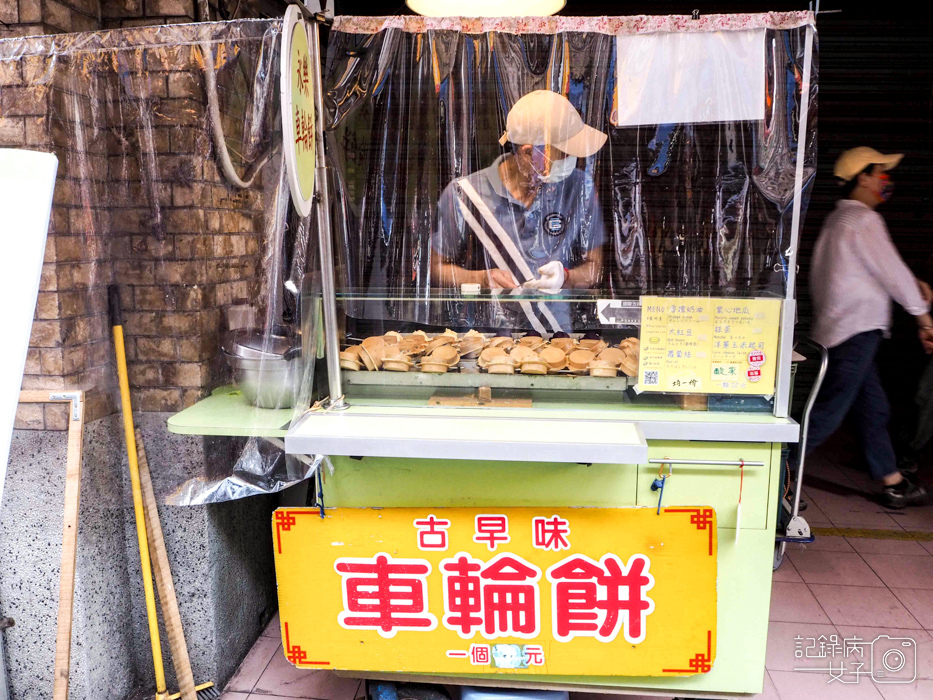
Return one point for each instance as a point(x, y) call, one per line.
point(855, 160)
point(544, 117)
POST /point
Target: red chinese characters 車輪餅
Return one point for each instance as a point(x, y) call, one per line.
point(499, 598)
point(597, 599)
point(384, 594)
point(304, 130)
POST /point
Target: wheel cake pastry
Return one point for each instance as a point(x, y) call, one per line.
point(613, 355)
point(374, 342)
point(488, 354)
point(579, 360)
point(372, 353)
point(532, 339)
point(471, 345)
point(350, 360)
point(555, 357)
point(602, 368)
point(502, 364)
point(399, 362)
point(594, 345)
point(534, 365)
point(446, 353)
point(567, 344)
point(439, 341)
point(501, 341)
point(629, 365)
point(434, 366)
point(520, 353)
point(413, 345)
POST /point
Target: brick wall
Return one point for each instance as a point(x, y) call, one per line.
point(139, 202)
point(33, 17)
point(141, 13)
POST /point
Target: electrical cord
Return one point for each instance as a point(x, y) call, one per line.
point(213, 109)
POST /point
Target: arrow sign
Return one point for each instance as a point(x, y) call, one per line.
point(619, 312)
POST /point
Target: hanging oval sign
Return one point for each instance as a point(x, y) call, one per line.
point(298, 117)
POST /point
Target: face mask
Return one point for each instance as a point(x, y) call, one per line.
point(887, 187)
point(560, 169)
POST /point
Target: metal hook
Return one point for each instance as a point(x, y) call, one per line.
point(320, 489)
point(670, 470)
point(696, 14)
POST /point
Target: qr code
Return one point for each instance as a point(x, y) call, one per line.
point(651, 377)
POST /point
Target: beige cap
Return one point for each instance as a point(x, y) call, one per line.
point(544, 117)
point(855, 160)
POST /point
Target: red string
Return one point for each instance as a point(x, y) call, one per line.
point(741, 478)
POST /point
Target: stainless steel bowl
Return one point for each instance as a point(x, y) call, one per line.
point(270, 382)
point(257, 345)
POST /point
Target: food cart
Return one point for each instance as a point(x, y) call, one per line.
point(567, 486)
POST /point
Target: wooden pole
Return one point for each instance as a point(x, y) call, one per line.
point(66, 585)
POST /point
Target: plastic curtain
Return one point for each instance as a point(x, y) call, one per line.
point(417, 107)
point(172, 187)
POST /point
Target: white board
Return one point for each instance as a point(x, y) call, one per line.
point(685, 78)
point(27, 180)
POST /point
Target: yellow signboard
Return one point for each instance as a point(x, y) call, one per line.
point(299, 72)
point(532, 591)
point(709, 346)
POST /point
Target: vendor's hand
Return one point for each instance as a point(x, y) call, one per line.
point(551, 280)
point(497, 278)
point(926, 339)
point(926, 291)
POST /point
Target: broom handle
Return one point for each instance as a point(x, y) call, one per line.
point(163, 576)
point(117, 321)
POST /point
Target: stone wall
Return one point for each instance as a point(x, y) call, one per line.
point(220, 556)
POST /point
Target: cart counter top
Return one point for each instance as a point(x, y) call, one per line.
point(511, 434)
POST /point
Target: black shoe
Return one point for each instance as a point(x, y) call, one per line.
point(904, 494)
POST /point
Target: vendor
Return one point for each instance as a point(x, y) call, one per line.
point(531, 220)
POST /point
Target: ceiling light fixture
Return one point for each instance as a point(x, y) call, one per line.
point(486, 8)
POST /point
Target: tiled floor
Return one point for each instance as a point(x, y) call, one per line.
point(844, 586)
point(265, 673)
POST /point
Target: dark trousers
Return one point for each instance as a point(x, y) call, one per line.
point(853, 385)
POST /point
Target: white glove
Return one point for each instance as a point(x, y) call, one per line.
point(551, 280)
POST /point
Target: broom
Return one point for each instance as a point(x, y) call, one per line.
point(167, 597)
point(116, 321)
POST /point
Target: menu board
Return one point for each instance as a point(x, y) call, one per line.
point(708, 345)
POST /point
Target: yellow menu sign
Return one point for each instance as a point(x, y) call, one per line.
point(708, 345)
point(523, 591)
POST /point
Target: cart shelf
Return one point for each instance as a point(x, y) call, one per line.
point(473, 380)
point(226, 412)
point(547, 434)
